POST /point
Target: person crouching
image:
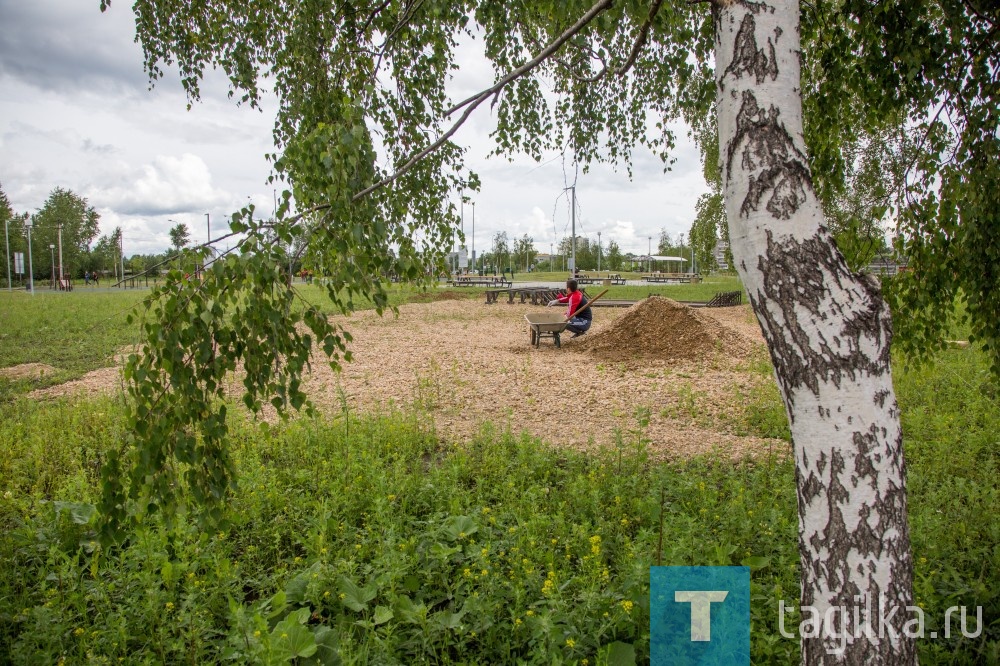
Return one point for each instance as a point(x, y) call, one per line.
point(580, 323)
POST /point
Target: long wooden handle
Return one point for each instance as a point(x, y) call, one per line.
point(589, 303)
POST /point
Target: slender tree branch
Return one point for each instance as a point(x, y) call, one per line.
point(641, 40)
point(978, 13)
point(372, 16)
point(553, 46)
point(473, 102)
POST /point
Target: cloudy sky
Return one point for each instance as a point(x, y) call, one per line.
point(76, 112)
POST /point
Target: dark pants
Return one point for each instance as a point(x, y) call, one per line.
point(579, 325)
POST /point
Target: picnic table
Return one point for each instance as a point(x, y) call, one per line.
point(672, 278)
point(480, 281)
point(537, 295)
point(597, 279)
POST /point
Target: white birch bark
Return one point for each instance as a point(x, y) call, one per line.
point(828, 332)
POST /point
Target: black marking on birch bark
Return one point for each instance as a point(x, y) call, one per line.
point(775, 165)
point(799, 276)
point(880, 397)
point(755, 7)
point(748, 58)
point(880, 532)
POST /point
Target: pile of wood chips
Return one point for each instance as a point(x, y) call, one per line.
point(662, 329)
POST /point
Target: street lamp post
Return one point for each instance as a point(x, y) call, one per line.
point(31, 268)
point(473, 237)
point(52, 253)
point(598, 251)
point(61, 276)
point(208, 224)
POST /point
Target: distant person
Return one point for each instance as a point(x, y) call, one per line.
point(580, 323)
point(86, 278)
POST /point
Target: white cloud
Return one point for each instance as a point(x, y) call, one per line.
point(169, 185)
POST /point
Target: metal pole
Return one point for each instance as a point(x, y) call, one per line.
point(598, 251)
point(61, 276)
point(208, 223)
point(52, 254)
point(649, 252)
point(6, 234)
point(573, 270)
point(473, 236)
point(31, 267)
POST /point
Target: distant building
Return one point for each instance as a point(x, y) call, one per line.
point(884, 265)
point(719, 254)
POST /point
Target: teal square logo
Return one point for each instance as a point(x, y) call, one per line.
point(699, 616)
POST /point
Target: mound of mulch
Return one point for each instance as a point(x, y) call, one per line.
point(28, 371)
point(662, 329)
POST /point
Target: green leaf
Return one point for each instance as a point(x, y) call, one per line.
point(356, 598)
point(79, 513)
point(291, 639)
point(382, 615)
point(617, 654)
point(461, 527)
point(756, 562)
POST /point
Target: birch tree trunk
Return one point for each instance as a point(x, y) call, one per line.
point(828, 332)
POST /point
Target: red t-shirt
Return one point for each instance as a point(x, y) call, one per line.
point(573, 298)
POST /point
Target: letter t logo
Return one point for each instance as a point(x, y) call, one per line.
point(701, 610)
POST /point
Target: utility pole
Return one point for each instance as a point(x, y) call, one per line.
point(598, 251)
point(572, 189)
point(473, 236)
point(52, 255)
point(6, 234)
point(31, 268)
point(61, 277)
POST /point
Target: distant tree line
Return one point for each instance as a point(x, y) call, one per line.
point(83, 249)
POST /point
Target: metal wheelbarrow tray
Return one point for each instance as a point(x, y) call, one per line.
point(545, 325)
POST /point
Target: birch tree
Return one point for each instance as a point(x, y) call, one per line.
point(364, 141)
point(828, 331)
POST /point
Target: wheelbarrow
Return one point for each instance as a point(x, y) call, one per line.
point(552, 324)
point(545, 325)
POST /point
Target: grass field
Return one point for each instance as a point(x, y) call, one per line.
point(366, 538)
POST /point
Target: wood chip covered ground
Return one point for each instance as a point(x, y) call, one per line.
point(465, 363)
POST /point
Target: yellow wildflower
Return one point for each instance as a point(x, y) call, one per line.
point(627, 606)
point(570, 642)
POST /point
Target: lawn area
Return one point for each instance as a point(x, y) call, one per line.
point(358, 538)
